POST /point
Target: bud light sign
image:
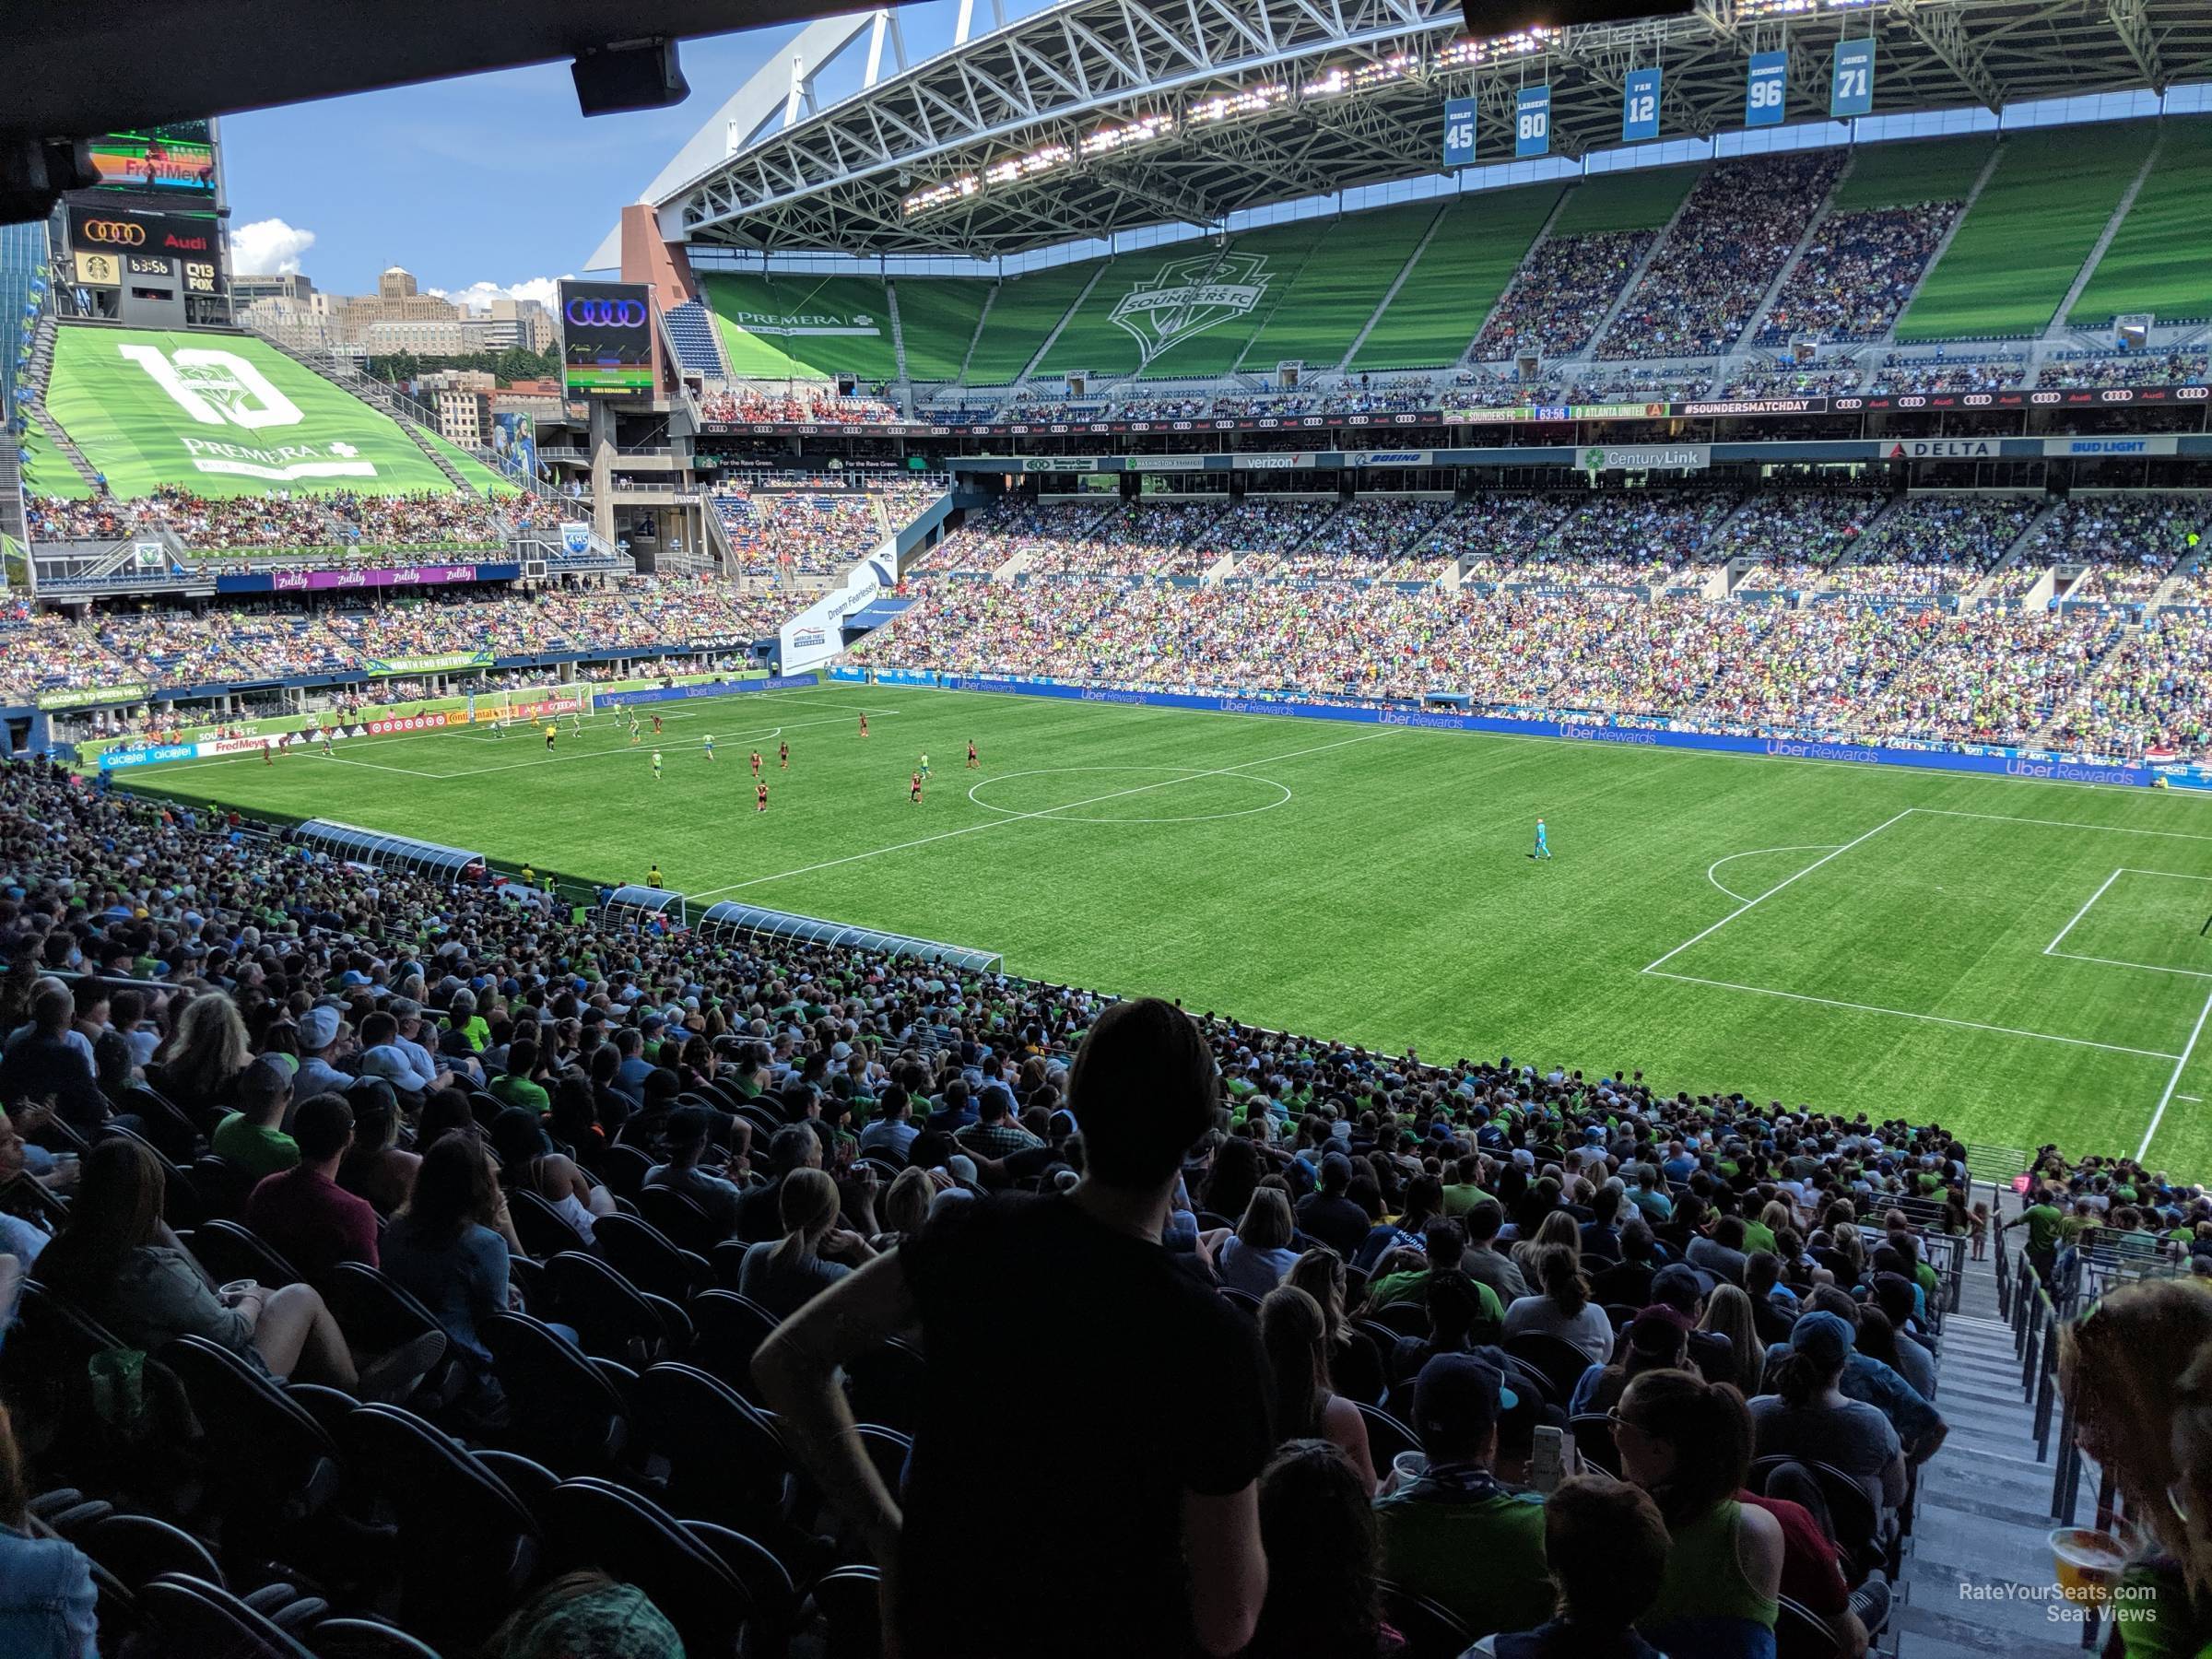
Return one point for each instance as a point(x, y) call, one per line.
point(606, 339)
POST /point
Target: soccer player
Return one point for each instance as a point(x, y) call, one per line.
point(864, 725)
point(499, 728)
point(576, 722)
point(656, 766)
point(913, 789)
point(972, 761)
point(637, 733)
point(756, 763)
point(330, 747)
point(924, 765)
point(552, 731)
point(656, 725)
point(710, 745)
point(1543, 847)
point(268, 752)
point(783, 757)
point(760, 796)
point(653, 875)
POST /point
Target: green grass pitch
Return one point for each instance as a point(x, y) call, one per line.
point(2021, 960)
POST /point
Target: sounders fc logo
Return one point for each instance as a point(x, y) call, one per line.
point(219, 388)
point(1187, 297)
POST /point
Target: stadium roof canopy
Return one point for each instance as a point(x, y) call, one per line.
point(1095, 116)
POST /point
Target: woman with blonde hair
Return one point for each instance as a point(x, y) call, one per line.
point(1295, 1334)
point(783, 1274)
point(1728, 1313)
point(905, 1207)
point(1559, 1230)
point(204, 1056)
point(1354, 1363)
point(1254, 1257)
point(2139, 1368)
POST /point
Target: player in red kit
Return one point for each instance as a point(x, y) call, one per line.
point(761, 798)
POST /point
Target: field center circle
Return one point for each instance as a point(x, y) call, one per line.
point(1115, 783)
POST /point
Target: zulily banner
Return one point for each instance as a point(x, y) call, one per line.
point(295, 581)
point(1572, 731)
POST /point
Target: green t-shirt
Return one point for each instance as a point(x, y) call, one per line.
point(1413, 1286)
point(1757, 1235)
point(1481, 1558)
point(1459, 1200)
point(2043, 1222)
point(245, 1142)
point(510, 1090)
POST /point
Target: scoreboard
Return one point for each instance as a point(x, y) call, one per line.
point(146, 242)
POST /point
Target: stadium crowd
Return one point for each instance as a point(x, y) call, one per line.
point(341, 525)
point(1936, 543)
point(162, 648)
point(2141, 368)
point(2130, 541)
point(792, 404)
point(1314, 1303)
point(1996, 372)
point(1858, 273)
point(1715, 264)
point(1560, 294)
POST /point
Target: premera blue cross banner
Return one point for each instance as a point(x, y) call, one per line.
point(1459, 132)
point(1640, 106)
point(1851, 90)
point(1532, 121)
point(1763, 89)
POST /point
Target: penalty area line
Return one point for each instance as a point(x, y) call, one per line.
point(2181, 1064)
point(1969, 1025)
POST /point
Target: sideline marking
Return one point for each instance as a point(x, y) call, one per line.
point(997, 823)
point(2181, 1062)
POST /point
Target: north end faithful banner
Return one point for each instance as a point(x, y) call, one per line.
point(95, 228)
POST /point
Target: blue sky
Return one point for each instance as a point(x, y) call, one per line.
point(493, 180)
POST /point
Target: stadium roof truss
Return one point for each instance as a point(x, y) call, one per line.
point(1094, 116)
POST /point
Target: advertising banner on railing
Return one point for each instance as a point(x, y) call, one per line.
point(296, 581)
point(444, 662)
point(84, 697)
point(724, 687)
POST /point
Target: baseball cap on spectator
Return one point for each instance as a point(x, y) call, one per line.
point(1826, 1339)
point(1678, 1285)
point(391, 1063)
point(1457, 1400)
point(318, 1028)
point(262, 1082)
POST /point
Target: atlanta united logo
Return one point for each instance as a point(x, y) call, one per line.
point(1186, 297)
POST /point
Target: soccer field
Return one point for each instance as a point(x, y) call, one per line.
point(2018, 961)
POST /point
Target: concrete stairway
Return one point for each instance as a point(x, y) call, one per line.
point(1982, 1519)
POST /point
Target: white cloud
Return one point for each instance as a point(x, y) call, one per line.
point(478, 296)
point(269, 248)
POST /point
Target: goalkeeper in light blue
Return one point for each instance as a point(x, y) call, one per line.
point(1543, 847)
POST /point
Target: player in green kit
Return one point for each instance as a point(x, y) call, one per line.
point(925, 766)
point(709, 746)
point(1543, 847)
point(656, 766)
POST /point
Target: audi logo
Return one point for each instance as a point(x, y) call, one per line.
point(607, 313)
point(121, 233)
point(2192, 392)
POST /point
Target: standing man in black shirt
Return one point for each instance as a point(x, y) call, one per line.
point(1070, 1311)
